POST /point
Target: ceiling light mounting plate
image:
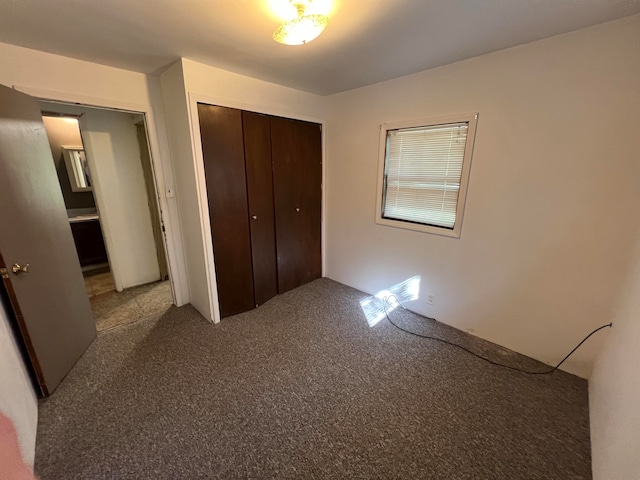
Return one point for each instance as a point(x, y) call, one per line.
point(300, 6)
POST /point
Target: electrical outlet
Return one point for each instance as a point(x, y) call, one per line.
point(430, 299)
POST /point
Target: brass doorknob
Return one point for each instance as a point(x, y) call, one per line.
point(18, 269)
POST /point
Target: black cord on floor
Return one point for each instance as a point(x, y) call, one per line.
point(546, 372)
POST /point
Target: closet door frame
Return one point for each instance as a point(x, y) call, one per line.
point(201, 186)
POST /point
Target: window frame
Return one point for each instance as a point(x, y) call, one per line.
point(472, 119)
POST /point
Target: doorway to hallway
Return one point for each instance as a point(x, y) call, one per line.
point(106, 177)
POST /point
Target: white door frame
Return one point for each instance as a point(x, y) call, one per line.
point(162, 173)
point(201, 185)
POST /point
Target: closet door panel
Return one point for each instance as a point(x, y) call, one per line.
point(285, 200)
point(223, 153)
point(257, 150)
point(297, 173)
point(310, 185)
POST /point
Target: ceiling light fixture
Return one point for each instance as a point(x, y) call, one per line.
point(302, 29)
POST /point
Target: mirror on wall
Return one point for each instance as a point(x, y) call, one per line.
point(77, 168)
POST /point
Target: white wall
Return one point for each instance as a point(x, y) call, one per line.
point(614, 390)
point(60, 78)
point(238, 91)
point(18, 401)
point(553, 197)
point(184, 84)
point(111, 144)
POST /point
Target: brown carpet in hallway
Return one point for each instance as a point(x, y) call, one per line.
point(303, 388)
point(114, 309)
point(98, 284)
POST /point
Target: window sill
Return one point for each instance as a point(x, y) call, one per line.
point(416, 227)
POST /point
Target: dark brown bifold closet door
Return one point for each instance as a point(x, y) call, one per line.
point(223, 153)
point(257, 149)
point(296, 149)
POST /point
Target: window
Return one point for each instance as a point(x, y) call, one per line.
point(424, 168)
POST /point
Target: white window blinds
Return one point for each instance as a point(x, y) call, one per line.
point(423, 169)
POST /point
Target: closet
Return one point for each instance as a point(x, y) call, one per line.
point(264, 189)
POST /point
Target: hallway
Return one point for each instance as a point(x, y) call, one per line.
point(113, 309)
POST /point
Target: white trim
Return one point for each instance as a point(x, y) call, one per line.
point(163, 178)
point(203, 210)
point(201, 186)
point(472, 118)
point(83, 100)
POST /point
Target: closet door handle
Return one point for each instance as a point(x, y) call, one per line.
point(297, 209)
point(255, 217)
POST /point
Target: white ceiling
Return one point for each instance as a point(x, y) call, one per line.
point(366, 41)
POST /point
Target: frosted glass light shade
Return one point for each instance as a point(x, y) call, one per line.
point(300, 30)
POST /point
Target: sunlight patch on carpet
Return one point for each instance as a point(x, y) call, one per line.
point(373, 306)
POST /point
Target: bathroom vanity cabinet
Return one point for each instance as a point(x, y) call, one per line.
point(87, 236)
